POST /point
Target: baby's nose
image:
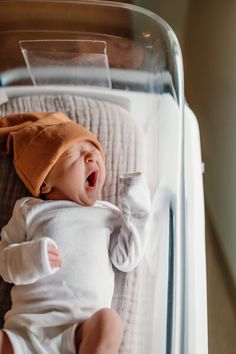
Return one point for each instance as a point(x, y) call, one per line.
point(90, 157)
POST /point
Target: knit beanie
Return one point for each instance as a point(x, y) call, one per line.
point(37, 140)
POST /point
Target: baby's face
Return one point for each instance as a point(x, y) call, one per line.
point(78, 175)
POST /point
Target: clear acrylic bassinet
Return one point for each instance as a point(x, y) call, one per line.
point(121, 62)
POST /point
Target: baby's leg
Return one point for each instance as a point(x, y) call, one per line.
point(100, 334)
point(5, 344)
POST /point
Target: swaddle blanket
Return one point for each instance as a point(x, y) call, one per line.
point(123, 143)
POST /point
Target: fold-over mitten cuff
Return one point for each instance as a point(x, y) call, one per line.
point(134, 193)
point(28, 262)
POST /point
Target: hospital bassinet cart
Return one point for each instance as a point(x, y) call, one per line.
point(117, 68)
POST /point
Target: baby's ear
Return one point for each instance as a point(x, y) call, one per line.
point(45, 188)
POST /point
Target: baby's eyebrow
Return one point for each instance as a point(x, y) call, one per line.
point(90, 145)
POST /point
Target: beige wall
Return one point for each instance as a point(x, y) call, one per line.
point(173, 11)
point(210, 71)
point(207, 33)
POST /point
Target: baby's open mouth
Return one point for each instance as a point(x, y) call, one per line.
point(92, 179)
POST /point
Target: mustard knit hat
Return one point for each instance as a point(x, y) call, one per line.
point(37, 140)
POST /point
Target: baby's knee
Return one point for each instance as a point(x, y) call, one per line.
point(110, 320)
point(101, 334)
point(111, 325)
point(5, 344)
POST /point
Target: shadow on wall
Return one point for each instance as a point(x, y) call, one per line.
point(210, 79)
point(174, 12)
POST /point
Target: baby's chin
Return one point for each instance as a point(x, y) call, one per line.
point(90, 197)
point(86, 200)
point(90, 203)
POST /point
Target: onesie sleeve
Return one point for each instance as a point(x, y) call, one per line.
point(22, 262)
point(127, 245)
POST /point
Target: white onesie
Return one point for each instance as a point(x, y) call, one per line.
point(48, 304)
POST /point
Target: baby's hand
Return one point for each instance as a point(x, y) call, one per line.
point(54, 257)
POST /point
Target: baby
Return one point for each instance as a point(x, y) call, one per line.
point(61, 244)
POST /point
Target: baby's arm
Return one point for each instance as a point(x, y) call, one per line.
point(128, 245)
point(24, 262)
